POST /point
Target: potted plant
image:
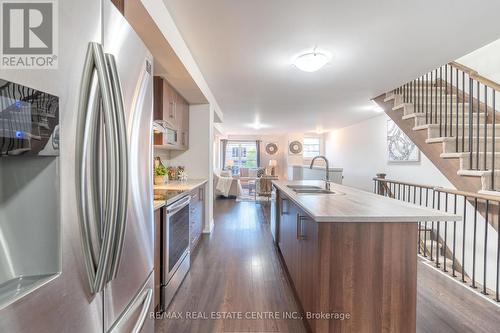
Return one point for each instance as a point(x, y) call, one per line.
point(160, 174)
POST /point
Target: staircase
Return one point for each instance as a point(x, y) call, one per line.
point(450, 114)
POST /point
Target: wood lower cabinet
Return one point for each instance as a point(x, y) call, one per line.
point(196, 215)
point(157, 257)
point(362, 275)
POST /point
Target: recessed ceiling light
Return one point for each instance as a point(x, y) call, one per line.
point(311, 61)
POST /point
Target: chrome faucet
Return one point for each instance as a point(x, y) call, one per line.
point(327, 173)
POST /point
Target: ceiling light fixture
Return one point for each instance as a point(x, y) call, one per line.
point(311, 61)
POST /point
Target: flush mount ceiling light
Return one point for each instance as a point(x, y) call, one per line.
point(311, 61)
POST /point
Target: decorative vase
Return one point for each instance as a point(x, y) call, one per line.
point(159, 180)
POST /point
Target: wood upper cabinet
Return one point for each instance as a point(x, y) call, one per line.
point(196, 215)
point(173, 110)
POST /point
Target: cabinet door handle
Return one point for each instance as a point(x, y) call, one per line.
point(282, 205)
point(201, 194)
point(299, 220)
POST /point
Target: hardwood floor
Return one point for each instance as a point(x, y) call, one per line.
point(237, 271)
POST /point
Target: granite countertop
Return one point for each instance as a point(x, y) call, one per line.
point(176, 185)
point(181, 187)
point(353, 205)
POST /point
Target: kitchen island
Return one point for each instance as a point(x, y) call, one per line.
point(351, 256)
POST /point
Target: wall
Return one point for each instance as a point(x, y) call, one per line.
point(485, 61)
point(361, 149)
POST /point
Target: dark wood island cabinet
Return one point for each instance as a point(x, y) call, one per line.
point(351, 276)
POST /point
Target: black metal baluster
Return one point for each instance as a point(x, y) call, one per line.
point(485, 128)
point(474, 246)
point(418, 95)
point(471, 110)
point(432, 222)
point(463, 111)
point(453, 265)
point(493, 112)
point(451, 101)
point(463, 238)
point(485, 246)
point(414, 95)
point(498, 254)
point(425, 230)
point(445, 246)
point(437, 229)
point(420, 225)
point(432, 97)
point(441, 102)
point(457, 101)
point(427, 98)
point(446, 101)
point(478, 124)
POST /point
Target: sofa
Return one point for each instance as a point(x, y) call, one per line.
point(234, 190)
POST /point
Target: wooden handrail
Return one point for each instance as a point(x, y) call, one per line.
point(443, 190)
point(463, 68)
point(403, 183)
point(476, 76)
point(468, 194)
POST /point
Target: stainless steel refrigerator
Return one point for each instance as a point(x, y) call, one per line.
point(92, 251)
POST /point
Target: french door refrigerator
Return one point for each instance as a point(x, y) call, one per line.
point(104, 282)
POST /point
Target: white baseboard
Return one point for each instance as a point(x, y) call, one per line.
point(210, 227)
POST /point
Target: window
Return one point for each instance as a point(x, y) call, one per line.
point(241, 154)
point(312, 147)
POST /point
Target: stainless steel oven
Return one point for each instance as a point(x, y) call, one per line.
point(175, 248)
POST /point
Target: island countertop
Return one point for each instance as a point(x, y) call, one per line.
point(353, 205)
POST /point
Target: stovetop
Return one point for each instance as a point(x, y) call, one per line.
point(170, 196)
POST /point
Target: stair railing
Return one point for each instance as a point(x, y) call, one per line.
point(467, 250)
point(462, 104)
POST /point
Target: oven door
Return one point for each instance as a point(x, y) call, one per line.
point(175, 237)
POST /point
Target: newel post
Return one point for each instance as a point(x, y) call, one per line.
point(381, 184)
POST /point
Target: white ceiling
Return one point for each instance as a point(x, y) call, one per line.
point(245, 47)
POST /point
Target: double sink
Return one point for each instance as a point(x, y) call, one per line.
point(309, 189)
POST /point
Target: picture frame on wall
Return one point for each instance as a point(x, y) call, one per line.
point(400, 148)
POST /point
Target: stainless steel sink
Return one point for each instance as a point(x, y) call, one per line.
point(314, 191)
point(304, 187)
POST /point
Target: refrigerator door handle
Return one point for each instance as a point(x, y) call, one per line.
point(144, 297)
point(122, 167)
point(97, 268)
